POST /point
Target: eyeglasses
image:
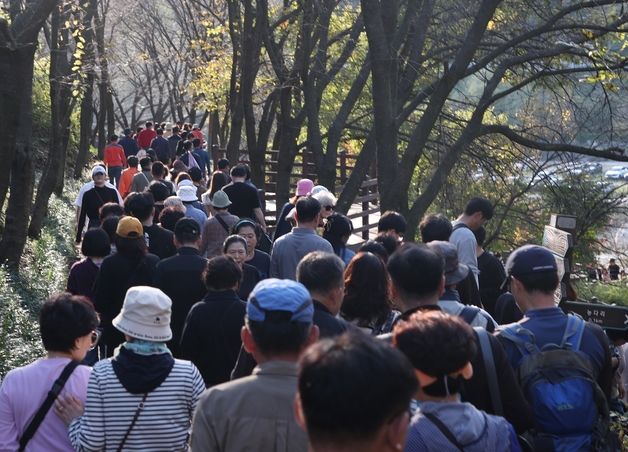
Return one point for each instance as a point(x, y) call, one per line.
point(328, 208)
point(95, 338)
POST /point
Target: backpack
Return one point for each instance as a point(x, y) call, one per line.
point(570, 409)
point(469, 313)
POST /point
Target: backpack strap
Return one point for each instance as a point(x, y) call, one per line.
point(489, 367)
point(469, 313)
point(459, 226)
point(444, 430)
point(523, 338)
point(573, 333)
point(45, 407)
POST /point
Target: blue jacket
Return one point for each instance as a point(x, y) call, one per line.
point(475, 430)
point(129, 145)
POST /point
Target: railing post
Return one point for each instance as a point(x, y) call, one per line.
point(343, 167)
point(364, 191)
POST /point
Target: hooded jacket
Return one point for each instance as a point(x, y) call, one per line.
point(473, 429)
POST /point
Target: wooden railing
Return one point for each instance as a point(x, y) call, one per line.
point(305, 167)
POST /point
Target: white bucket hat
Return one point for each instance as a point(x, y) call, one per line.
point(187, 193)
point(145, 314)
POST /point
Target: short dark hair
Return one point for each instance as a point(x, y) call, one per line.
point(377, 248)
point(187, 230)
point(110, 209)
point(145, 162)
point(416, 270)
point(158, 169)
point(277, 334)
point(222, 273)
point(435, 227)
point(159, 131)
point(139, 205)
point(390, 243)
point(113, 137)
point(63, 318)
point(159, 190)
point(544, 282)
point(233, 238)
point(169, 217)
point(307, 208)
point(320, 272)
point(478, 204)
point(195, 174)
point(480, 235)
point(96, 243)
point(175, 129)
point(187, 145)
point(196, 142)
point(149, 124)
point(392, 220)
point(337, 227)
point(367, 297)
point(436, 343)
point(238, 171)
point(222, 164)
point(109, 225)
point(340, 401)
point(133, 161)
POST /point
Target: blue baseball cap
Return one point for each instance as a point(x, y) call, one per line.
point(271, 295)
point(530, 260)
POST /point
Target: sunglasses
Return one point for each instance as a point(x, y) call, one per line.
point(95, 338)
point(328, 208)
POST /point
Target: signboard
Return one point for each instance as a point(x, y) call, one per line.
point(559, 242)
point(606, 316)
point(565, 222)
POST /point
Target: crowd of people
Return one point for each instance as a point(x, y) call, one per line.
point(187, 326)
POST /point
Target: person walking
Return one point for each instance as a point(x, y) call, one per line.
point(115, 159)
point(143, 398)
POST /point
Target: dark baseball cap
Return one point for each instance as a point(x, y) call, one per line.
point(529, 260)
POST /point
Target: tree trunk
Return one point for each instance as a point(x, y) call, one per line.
point(61, 109)
point(16, 71)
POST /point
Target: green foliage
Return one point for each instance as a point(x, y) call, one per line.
point(615, 292)
point(43, 271)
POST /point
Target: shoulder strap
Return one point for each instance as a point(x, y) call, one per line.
point(524, 339)
point(469, 313)
point(460, 226)
point(444, 430)
point(45, 407)
point(489, 366)
point(222, 223)
point(140, 407)
point(573, 333)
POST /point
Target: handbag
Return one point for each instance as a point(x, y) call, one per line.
point(45, 407)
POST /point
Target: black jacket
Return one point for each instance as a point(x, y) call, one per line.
point(211, 336)
point(327, 323)
point(475, 390)
point(180, 277)
point(160, 241)
point(117, 273)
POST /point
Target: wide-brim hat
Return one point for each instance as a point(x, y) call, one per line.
point(145, 314)
point(187, 193)
point(220, 200)
point(455, 271)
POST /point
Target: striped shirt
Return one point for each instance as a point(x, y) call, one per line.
point(163, 424)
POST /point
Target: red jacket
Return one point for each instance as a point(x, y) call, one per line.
point(145, 137)
point(114, 155)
